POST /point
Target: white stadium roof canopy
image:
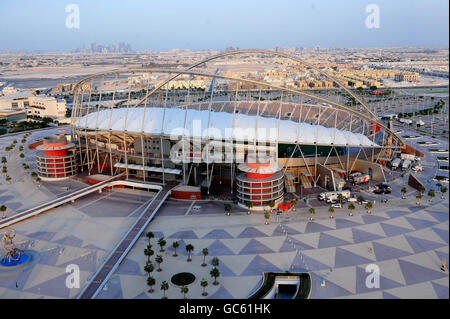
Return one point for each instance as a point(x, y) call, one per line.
point(171, 121)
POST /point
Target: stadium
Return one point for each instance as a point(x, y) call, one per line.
point(239, 138)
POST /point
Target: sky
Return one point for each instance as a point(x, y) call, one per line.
point(40, 25)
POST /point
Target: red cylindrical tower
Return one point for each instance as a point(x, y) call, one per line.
point(56, 159)
point(261, 182)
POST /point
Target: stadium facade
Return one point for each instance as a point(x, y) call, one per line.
point(243, 142)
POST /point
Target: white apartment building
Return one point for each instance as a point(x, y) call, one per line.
point(43, 106)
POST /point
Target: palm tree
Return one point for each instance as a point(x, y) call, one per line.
point(148, 252)
point(215, 262)
point(227, 208)
point(431, 194)
point(272, 205)
point(150, 235)
point(164, 287)
point(422, 189)
point(148, 268)
point(404, 191)
point(360, 199)
point(249, 205)
point(34, 174)
point(294, 202)
point(151, 282)
point(184, 291)
point(311, 211)
point(443, 191)
point(205, 253)
point(215, 273)
point(369, 206)
point(3, 209)
point(8, 178)
point(159, 260)
point(38, 180)
point(204, 284)
point(331, 211)
point(340, 198)
point(418, 197)
point(351, 207)
point(175, 245)
point(162, 243)
point(267, 217)
point(4, 161)
point(189, 248)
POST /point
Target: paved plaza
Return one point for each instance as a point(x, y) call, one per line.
point(407, 241)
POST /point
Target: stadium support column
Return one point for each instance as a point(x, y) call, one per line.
point(161, 147)
point(348, 146)
point(88, 154)
point(208, 179)
point(144, 173)
point(96, 126)
point(233, 141)
point(184, 129)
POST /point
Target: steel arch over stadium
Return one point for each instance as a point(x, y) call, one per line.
point(116, 136)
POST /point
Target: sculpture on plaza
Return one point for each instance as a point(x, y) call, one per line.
point(14, 256)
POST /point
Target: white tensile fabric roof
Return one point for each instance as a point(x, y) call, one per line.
point(220, 126)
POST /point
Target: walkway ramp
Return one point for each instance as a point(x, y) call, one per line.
point(107, 269)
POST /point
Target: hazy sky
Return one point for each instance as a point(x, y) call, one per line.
point(210, 24)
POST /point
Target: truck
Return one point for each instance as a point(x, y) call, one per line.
point(332, 196)
point(410, 157)
point(405, 164)
point(395, 163)
point(359, 178)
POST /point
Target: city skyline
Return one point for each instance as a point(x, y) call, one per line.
point(215, 26)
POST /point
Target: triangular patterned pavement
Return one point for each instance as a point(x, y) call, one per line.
point(184, 234)
point(42, 235)
point(414, 273)
point(370, 218)
point(319, 259)
point(286, 246)
point(440, 216)
point(419, 244)
point(87, 263)
point(251, 232)
point(345, 258)
point(442, 233)
point(221, 293)
point(384, 252)
point(259, 265)
point(441, 291)
point(387, 295)
point(306, 241)
point(225, 271)
point(327, 240)
point(217, 234)
point(385, 283)
point(419, 223)
point(70, 241)
point(360, 236)
point(330, 290)
point(313, 227)
point(345, 223)
point(392, 230)
point(279, 231)
point(55, 287)
point(219, 249)
point(255, 247)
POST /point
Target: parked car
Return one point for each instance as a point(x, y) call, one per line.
point(336, 205)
